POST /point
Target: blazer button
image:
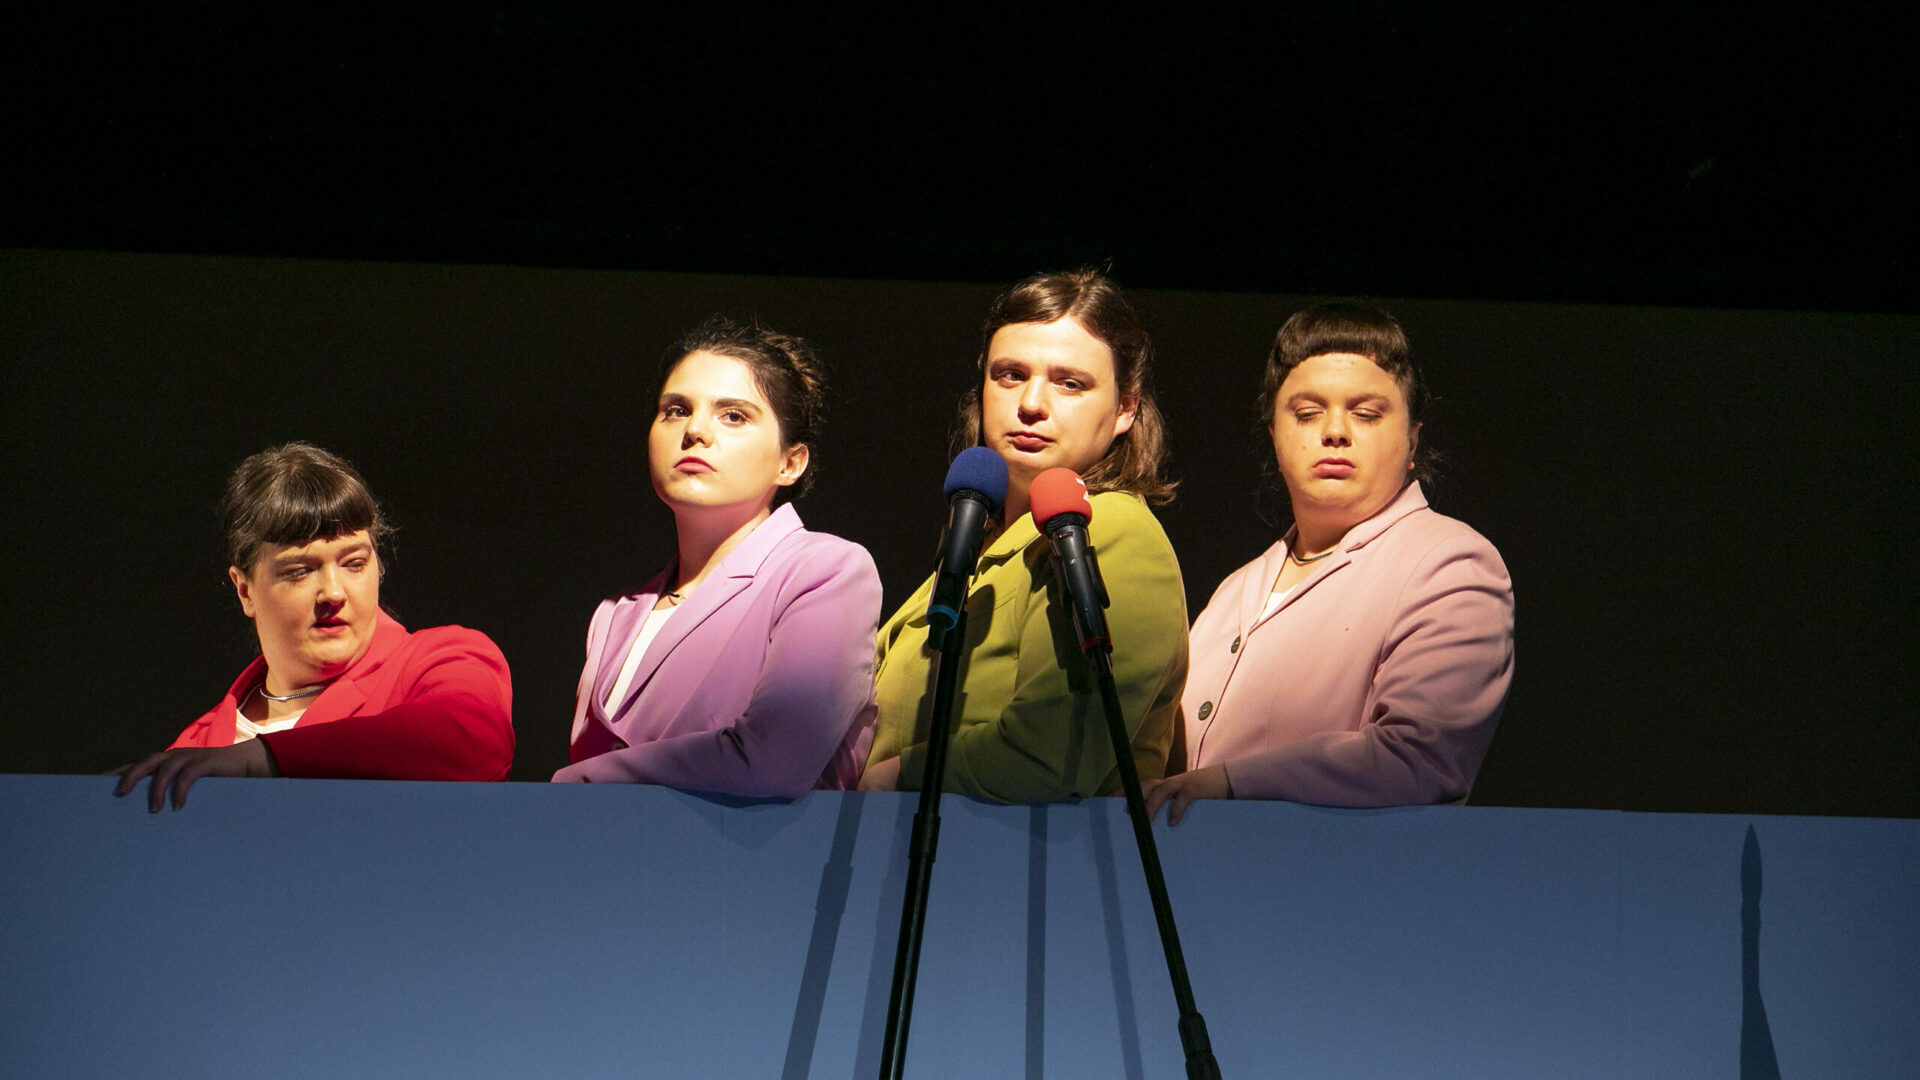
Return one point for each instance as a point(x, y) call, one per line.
point(1235, 647)
point(1206, 709)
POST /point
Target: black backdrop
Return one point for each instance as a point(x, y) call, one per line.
point(1700, 508)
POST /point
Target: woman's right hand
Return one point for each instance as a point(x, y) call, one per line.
point(178, 769)
point(881, 776)
point(1182, 788)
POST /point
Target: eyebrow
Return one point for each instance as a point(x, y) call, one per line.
point(1308, 395)
point(292, 558)
point(718, 403)
point(1054, 371)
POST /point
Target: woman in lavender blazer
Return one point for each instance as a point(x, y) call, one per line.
point(746, 665)
point(1364, 659)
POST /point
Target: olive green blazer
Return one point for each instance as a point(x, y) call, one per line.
point(1027, 724)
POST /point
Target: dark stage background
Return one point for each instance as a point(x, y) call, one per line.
point(1699, 507)
point(1660, 264)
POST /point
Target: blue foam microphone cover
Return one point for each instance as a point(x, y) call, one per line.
point(978, 469)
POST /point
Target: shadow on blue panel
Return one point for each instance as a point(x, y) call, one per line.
point(886, 936)
point(829, 906)
point(1116, 940)
point(1036, 1061)
point(1757, 1059)
point(737, 802)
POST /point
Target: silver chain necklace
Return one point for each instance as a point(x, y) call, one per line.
point(262, 691)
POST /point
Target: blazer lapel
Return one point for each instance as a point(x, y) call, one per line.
point(343, 698)
point(1255, 589)
point(1011, 541)
point(1006, 544)
point(1334, 564)
point(346, 697)
point(727, 581)
point(1409, 500)
point(623, 625)
point(222, 728)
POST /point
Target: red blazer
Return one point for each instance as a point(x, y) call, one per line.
point(436, 705)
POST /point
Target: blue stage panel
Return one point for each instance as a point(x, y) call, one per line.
point(330, 928)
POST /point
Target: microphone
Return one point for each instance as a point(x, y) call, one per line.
point(975, 489)
point(1060, 508)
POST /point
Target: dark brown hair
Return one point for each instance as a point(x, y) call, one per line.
point(1136, 462)
point(1348, 326)
point(294, 494)
point(787, 372)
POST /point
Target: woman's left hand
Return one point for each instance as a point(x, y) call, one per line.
point(881, 776)
point(1183, 788)
point(178, 769)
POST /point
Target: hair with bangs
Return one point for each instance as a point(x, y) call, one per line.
point(1349, 326)
point(1136, 462)
point(294, 494)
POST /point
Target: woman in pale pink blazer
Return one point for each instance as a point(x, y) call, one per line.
point(746, 665)
point(1364, 659)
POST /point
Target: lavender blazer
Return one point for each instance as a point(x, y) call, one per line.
point(1379, 680)
point(761, 684)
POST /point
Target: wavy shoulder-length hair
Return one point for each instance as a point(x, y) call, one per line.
point(1136, 462)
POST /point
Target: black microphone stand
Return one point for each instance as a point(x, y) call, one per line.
point(1193, 1027)
point(1071, 546)
point(948, 645)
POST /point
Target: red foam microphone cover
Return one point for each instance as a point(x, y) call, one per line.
point(1058, 491)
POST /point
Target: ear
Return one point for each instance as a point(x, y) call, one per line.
point(794, 466)
point(1413, 445)
point(1129, 407)
point(242, 588)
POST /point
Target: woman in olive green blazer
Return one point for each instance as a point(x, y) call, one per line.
point(1064, 382)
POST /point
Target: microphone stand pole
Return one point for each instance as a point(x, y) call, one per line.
point(1193, 1028)
point(948, 645)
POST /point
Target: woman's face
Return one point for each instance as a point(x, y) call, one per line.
point(314, 606)
point(1051, 398)
point(715, 441)
point(1343, 438)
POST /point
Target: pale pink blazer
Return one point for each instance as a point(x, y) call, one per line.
point(1379, 680)
point(760, 684)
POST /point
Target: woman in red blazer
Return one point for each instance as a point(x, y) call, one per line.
point(1364, 659)
point(340, 689)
